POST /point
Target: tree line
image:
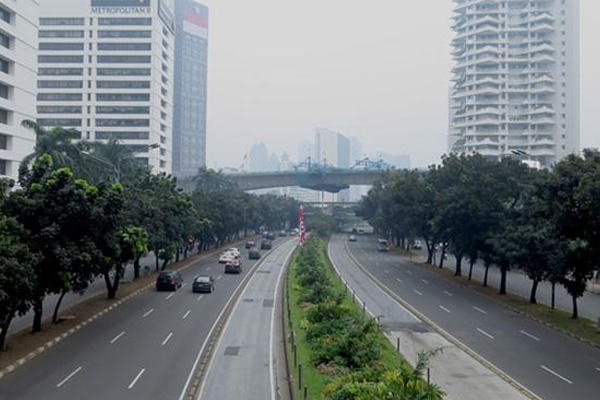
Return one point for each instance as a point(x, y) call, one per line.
point(503, 214)
point(83, 211)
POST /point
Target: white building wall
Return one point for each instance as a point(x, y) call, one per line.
point(18, 101)
point(145, 123)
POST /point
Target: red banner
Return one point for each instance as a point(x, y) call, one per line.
point(301, 221)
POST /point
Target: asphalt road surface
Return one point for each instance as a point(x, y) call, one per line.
point(550, 364)
point(144, 349)
point(243, 366)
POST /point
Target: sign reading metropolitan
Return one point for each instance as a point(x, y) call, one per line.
point(121, 6)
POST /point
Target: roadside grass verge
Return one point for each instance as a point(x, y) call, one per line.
point(334, 366)
point(582, 328)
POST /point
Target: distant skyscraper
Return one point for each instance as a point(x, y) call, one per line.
point(105, 67)
point(516, 78)
point(18, 66)
point(259, 158)
point(333, 149)
point(191, 55)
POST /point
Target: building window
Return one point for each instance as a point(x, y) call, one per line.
point(61, 21)
point(3, 167)
point(60, 59)
point(122, 110)
point(123, 122)
point(60, 34)
point(4, 40)
point(124, 21)
point(123, 71)
point(123, 84)
point(125, 46)
point(124, 59)
point(60, 71)
point(59, 96)
point(62, 46)
point(3, 91)
point(105, 135)
point(124, 34)
point(59, 110)
point(63, 122)
point(3, 142)
point(60, 84)
point(5, 15)
point(122, 97)
point(3, 116)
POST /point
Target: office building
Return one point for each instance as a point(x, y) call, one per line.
point(106, 68)
point(332, 149)
point(18, 65)
point(516, 79)
point(191, 55)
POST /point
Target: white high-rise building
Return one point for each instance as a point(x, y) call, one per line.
point(18, 65)
point(516, 79)
point(106, 68)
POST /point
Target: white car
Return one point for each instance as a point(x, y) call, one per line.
point(234, 251)
point(225, 258)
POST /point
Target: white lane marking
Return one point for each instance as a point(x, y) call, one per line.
point(448, 293)
point(417, 292)
point(485, 333)
point(117, 337)
point(219, 277)
point(425, 281)
point(529, 335)
point(399, 280)
point(598, 369)
point(556, 375)
point(150, 311)
point(184, 285)
point(200, 297)
point(445, 309)
point(479, 309)
point(408, 272)
point(186, 314)
point(137, 377)
point(208, 269)
point(169, 296)
point(386, 271)
point(72, 374)
point(167, 339)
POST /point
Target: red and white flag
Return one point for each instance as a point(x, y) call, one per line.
point(301, 221)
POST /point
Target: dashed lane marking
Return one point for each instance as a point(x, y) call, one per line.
point(219, 277)
point(417, 292)
point(200, 297)
point(186, 314)
point(556, 374)
point(529, 335)
point(448, 293)
point(167, 339)
point(137, 377)
point(399, 280)
point(169, 296)
point(425, 281)
point(445, 309)
point(117, 337)
point(386, 271)
point(479, 310)
point(72, 374)
point(150, 311)
point(484, 333)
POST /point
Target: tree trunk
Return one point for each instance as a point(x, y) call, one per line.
point(458, 271)
point(533, 296)
point(575, 310)
point(114, 286)
point(553, 300)
point(471, 263)
point(186, 248)
point(4, 329)
point(503, 273)
point(442, 257)
point(37, 314)
point(57, 307)
point(177, 254)
point(429, 251)
point(157, 259)
point(164, 265)
point(485, 276)
point(136, 267)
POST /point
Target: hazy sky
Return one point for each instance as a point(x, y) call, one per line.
point(378, 70)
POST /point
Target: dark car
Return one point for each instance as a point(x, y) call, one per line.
point(250, 244)
point(352, 238)
point(233, 268)
point(283, 233)
point(203, 284)
point(266, 245)
point(169, 280)
point(265, 235)
point(254, 254)
point(271, 236)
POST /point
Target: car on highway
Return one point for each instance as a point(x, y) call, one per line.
point(203, 284)
point(271, 236)
point(361, 231)
point(282, 233)
point(233, 250)
point(352, 238)
point(225, 258)
point(254, 254)
point(233, 268)
point(250, 244)
point(265, 235)
point(266, 245)
point(417, 245)
point(382, 245)
point(169, 280)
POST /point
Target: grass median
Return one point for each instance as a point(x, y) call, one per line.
point(343, 354)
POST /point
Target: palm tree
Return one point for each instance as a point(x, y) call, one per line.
point(119, 158)
point(211, 180)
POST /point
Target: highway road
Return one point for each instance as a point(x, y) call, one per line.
point(550, 364)
point(145, 349)
point(244, 363)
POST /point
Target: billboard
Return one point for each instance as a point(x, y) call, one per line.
point(195, 19)
point(120, 6)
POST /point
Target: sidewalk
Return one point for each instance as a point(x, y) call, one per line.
point(519, 284)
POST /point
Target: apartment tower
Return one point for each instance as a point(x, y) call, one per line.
point(516, 79)
point(106, 68)
point(18, 65)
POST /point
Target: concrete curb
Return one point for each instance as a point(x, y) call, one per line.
point(51, 343)
point(523, 390)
